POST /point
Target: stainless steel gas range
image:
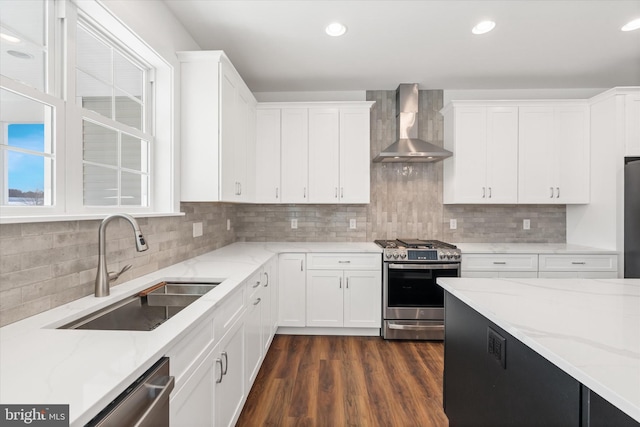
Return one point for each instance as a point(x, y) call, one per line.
point(413, 304)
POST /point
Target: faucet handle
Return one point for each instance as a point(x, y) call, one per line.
point(114, 276)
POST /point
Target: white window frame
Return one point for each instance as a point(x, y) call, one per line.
point(68, 193)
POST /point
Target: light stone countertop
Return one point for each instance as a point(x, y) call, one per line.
point(529, 248)
point(589, 328)
point(88, 369)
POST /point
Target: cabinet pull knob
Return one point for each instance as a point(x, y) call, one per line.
point(499, 262)
point(219, 379)
point(226, 362)
point(557, 192)
point(266, 282)
point(257, 301)
point(551, 196)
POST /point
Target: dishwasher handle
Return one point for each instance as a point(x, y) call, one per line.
point(159, 400)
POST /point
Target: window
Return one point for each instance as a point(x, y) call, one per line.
point(78, 98)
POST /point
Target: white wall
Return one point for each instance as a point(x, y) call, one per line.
point(495, 94)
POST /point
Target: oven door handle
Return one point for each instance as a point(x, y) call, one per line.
point(402, 327)
point(454, 266)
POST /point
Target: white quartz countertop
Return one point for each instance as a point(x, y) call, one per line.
point(588, 328)
point(529, 248)
point(87, 369)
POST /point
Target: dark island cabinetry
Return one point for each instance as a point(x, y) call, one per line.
point(493, 379)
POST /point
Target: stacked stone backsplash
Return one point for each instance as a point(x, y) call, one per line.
point(45, 265)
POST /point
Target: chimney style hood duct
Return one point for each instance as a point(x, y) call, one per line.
point(408, 148)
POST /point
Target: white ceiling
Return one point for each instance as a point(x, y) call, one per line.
point(281, 45)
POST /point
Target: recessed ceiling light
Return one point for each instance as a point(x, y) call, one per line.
point(335, 29)
point(631, 25)
point(9, 38)
point(483, 27)
point(21, 55)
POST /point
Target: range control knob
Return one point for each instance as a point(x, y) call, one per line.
point(388, 255)
point(403, 255)
point(395, 255)
point(442, 256)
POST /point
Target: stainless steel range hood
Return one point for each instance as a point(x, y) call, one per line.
point(408, 148)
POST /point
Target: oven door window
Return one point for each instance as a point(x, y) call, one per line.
point(409, 287)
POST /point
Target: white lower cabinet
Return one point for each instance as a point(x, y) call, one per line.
point(192, 405)
point(499, 265)
point(257, 309)
point(291, 289)
point(230, 392)
point(589, 266)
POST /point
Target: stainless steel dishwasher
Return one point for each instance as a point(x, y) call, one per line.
point(144, 403)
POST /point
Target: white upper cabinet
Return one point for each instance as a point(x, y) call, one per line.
point(217, 130)
point(268, 156)
point(324, 155)
point(632, 123)
point(554, 153)
point(484, 167)
point(324, 152)
point(294, 155)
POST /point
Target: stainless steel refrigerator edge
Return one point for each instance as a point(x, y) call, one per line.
point(632, 217)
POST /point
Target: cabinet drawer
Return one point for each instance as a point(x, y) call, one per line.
point(499, 262)
point(579, 262)
point(505, 274)
point(346, 261)
point(229, 311)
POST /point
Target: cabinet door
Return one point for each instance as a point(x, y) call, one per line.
point(248, 156)
point(268, 156)
point(536, 162)
point(229, 136)
point(291, 290)
point(324, 160)
point(572, 155)
point(468, 183)
point(324, 298)
point(362, 299)
point(253, 335)
point(355, 156)
point(270, 307)
point(502, 155)
point(230, 392)
point(294, 155)
point(193, 405)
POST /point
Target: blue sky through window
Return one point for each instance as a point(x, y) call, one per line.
point(26, 171)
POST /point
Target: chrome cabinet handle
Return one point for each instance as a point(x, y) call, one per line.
point(578, 263)
point(483, 192)
point(342, 192)
point(301, 265)
point(266, 283)
point(240, 185)
point(257, 301)
point(226, 362)
point(551, 196)
point(257, 284)
point(500, 262)
point(344, 262)
point(336, 192)
point(219, 379)
point(489, 192)
point(557, 192)
point(304, 193)
point(347, 283)
point(276, 192)
point(341, 283)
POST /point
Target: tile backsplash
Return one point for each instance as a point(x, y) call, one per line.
point(44, 265)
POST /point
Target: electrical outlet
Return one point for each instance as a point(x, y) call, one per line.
point(294, 223)
point(453, 224)
point(197, 229)
point(497, 347)
point(352, 224)
point(526, 224)
point(228, 224)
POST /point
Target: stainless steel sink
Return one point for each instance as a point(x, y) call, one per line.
point(146, 310)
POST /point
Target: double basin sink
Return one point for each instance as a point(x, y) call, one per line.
point(145, 310)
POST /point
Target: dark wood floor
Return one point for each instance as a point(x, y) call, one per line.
point(347, 381)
